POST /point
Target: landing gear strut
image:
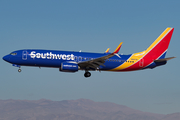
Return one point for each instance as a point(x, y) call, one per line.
point(87, 74)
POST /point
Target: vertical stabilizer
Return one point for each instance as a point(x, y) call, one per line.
point(156, 51)
point(159, 47)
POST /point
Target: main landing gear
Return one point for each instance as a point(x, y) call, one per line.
point(87, 74)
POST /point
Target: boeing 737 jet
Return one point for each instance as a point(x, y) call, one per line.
point(68, 61)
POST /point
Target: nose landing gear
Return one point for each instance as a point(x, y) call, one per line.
point(87, 74)
point(19, 70)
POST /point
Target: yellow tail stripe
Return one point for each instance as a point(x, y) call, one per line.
point(158, 39)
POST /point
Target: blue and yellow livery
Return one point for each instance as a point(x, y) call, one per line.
point(68, 61)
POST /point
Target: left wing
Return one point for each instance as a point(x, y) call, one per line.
point(95, 63)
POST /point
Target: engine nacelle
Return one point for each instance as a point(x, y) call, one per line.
point(69, 67)
point(155, 64)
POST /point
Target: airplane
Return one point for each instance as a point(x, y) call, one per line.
point(70, 61)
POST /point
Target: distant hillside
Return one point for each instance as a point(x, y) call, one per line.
point(81, 109)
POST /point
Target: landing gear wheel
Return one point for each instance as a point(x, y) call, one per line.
point(87, 74)
point(19, 70)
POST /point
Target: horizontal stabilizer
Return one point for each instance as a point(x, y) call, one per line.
point(165, 59)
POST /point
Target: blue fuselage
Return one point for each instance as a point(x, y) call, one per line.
point(53, 58)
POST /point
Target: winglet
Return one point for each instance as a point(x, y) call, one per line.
point(107, 50)
point(118, 48)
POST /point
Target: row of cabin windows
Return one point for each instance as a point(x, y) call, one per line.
point(81, 58)
point(112, 60)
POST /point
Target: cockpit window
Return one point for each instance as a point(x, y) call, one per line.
point(13, 53)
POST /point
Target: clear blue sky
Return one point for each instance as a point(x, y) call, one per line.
point(91, 26)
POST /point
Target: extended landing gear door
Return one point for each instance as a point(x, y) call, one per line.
point(24, 55)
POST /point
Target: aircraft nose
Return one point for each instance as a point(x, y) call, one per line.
point(5, 58)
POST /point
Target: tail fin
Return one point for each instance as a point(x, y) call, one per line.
point(158, 49)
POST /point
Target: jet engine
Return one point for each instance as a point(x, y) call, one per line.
point(69, 67)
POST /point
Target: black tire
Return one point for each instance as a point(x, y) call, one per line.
point(87, 74)
point(19, 70)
